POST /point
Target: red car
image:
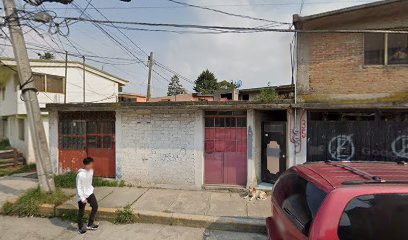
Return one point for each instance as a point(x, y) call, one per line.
point(341, 201)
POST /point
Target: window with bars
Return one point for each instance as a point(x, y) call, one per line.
point(81, 134)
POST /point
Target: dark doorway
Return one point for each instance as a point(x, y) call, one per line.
point(273, 150)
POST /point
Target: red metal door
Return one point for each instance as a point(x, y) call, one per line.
point(225, 148)
point(87, 134)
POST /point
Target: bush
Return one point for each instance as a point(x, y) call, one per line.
point(125, 215)
point(4, 144)
point(68, 180)
point(267, 95)
point(29, 203)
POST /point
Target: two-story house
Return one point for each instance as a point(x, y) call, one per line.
point(49, 80)
point(352, 84)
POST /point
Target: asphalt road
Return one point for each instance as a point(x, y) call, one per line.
point(41, 228)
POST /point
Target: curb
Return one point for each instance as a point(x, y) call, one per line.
point(236, 224)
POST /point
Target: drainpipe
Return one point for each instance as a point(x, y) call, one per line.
point(295, 85)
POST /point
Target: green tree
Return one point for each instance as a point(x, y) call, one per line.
point(267, 95)
point(175, 87)
point(46, 56)
point(206, 83)
point(226, 85)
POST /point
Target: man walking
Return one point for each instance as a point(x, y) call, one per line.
point(85, 195)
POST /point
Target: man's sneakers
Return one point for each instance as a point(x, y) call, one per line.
point(92, 227)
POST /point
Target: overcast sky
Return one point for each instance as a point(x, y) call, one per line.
point(254, 58)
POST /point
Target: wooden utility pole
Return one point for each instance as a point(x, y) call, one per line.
point(149, 80)
point(40, 145)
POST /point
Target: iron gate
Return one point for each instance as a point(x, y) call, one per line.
point(225, 148)
point(357, 136)
point(87, 134)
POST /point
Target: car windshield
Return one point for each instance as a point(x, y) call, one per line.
point(376, 216)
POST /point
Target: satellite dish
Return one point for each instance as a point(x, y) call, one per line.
point(238, 83)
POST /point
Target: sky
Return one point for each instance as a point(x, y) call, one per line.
point(257, 59)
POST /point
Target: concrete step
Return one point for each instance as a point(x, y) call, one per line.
point(236, 224)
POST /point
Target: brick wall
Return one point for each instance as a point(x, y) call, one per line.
point(331, 63)
point(162, 148)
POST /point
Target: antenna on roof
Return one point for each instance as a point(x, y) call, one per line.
point(238, 83)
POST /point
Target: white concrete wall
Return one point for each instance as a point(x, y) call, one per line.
point(13, 131)
point(8, 106)
point(24, 146)
point(297, 153)
point(160, 148)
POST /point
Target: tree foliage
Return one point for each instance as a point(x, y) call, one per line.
point(226, 85)
point(175, 87)
point(267, 95)
point(46, 56)
point(206, 83)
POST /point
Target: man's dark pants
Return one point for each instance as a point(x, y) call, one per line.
point(94, 205)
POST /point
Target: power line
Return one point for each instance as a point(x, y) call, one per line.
point(218, 5)
point(248, 29)
point(227, 13)
point(137, 46)
point(110, 36)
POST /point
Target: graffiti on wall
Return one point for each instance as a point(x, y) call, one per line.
point(341, 147)
point(357, 141)
point(400, 146)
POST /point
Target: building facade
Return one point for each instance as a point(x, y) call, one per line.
point(350, 103)
point(49, 80)
point(352, 86)
point(179, 145)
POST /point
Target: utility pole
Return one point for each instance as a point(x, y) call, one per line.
point(40, 145)
point(83, 77)
point(66, 75)
point(149, 80)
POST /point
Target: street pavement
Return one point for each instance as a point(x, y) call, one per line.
point(42, 228)
point(206, 203)
point(13, 186)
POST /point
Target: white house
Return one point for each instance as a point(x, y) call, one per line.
point(49, 79)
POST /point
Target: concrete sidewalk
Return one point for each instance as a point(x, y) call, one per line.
point(208, 203)
point(222, 210)
point(13, 186)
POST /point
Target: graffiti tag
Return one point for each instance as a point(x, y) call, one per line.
point(400, 146)
point(303, 128)
point(341, 147)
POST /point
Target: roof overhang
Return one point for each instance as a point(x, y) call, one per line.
point(71, 64)
point(189, 105)
point(350, 15)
